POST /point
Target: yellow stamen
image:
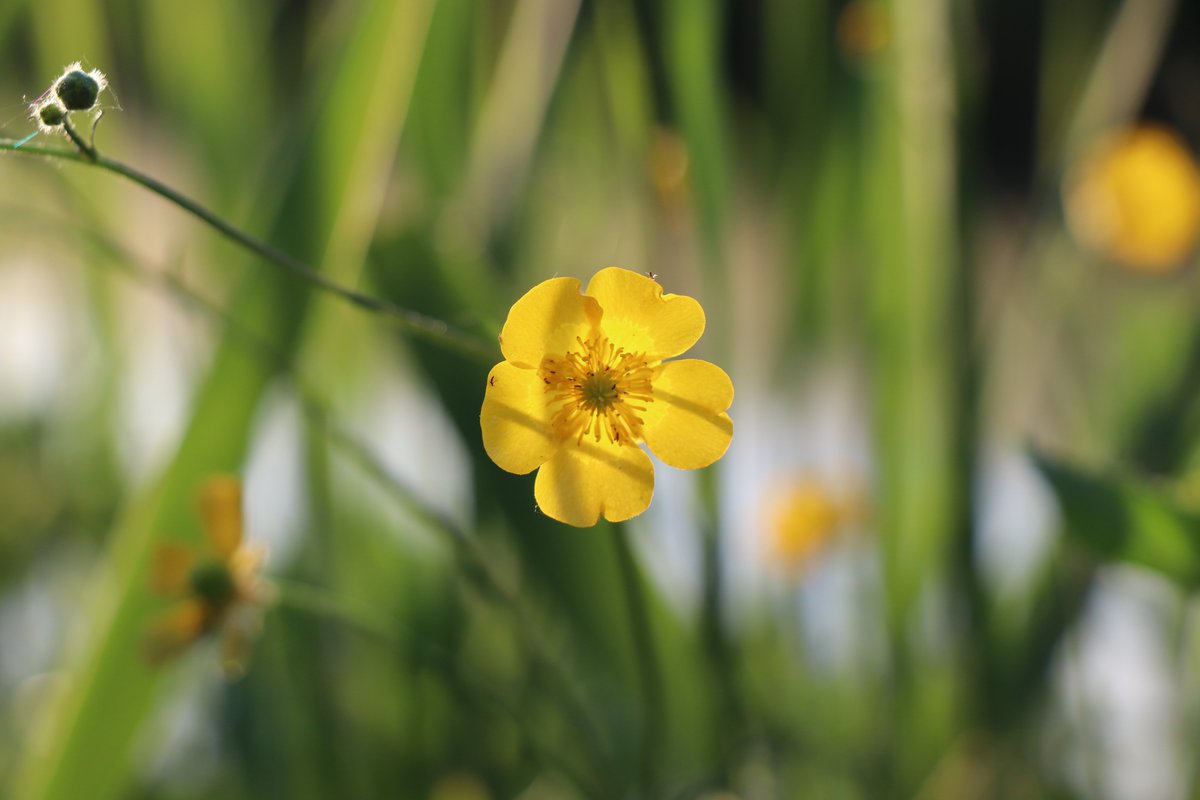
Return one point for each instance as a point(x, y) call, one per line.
point(599, 390)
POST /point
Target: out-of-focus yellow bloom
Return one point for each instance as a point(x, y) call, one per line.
point(1134, 197)
point(218, 591)
point(804, 520)
point(863, 29)
point(586, 380)
point(459, 786)
point(668, 164)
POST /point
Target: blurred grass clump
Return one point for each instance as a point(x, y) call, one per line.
point(946, 252)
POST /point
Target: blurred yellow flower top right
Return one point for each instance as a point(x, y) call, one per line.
point(1134, 197)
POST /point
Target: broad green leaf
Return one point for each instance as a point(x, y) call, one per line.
point(910, 241)
point(1124, 519)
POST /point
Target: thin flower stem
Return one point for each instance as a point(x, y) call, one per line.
point(85, 148)
point(409, 321)
point(649, 672)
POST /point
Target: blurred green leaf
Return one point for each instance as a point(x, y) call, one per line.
point(1124, 519)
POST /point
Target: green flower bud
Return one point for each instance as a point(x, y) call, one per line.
point(50, 114)
point(77, 89)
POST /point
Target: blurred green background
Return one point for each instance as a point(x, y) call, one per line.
point(951, 552)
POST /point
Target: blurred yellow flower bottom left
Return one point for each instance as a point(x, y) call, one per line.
point(216, 592)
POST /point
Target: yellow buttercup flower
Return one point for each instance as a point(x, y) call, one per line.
point(218, 591)
point(585, 380)
point(1135, 198)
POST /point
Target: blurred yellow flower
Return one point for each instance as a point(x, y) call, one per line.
point(668, 165)
point(217, 592)
point(585, 380)
point(863, 29)
point(1134, 197)
point(805, 518)
point(459, 786)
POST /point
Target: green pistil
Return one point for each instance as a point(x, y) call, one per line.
point(600, 390)
point(213, 583)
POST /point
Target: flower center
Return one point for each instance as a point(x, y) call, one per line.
point(598, 390)
point(213, 583)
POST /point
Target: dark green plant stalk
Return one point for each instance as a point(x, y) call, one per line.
point(722, 653)
point(409, 321)
point(649, 672)
point(85, 148)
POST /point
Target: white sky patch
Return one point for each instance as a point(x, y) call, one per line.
point(31, 622)
point(163, 355)
point(839, 601)
point(35, 336)
point(667, 538)
point(39, 623)
point(274, 479)
point(1120, 695)
point(1016, 519)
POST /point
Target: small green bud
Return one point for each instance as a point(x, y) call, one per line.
point(51, 114)
point(77, 89)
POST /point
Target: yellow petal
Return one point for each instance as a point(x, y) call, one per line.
point(171, 568)
point(640, 318)
point(583, 481)
point(221, 511)
point(546, 321)
point(175, 630)
point(686, 424)
point(244, 566)
point(515, 419)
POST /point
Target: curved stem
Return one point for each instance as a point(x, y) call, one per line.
point(409, 321)
point(85, 148)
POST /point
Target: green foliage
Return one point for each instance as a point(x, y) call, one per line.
point(1124, 519)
